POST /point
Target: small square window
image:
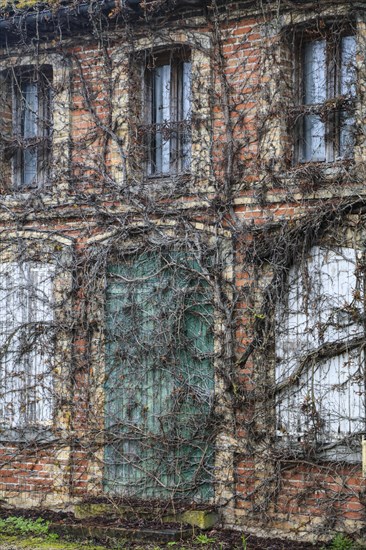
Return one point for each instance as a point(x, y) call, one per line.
point(168, 113)
point(327, 89)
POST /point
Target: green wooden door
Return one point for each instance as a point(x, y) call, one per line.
point(159, 378)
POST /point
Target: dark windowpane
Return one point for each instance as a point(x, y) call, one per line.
point(29, 168)
point(346, 135)
point(313, 139)
point(29, 106)
point(32, 126)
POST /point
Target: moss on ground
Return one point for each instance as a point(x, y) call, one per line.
point(40, 543)
point(18, 5)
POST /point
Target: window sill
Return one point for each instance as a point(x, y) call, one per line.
point(312, 176)
point(182, 176)
point(25, 191)
point(49, 195)
point(325, 165)
point(346, 449)
point(165, 186)
point(29, 435)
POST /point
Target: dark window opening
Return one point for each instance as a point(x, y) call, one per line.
point(168, 113)
point(327, 90)
point(32, 126)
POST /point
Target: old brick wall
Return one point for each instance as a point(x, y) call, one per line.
point(245, 186)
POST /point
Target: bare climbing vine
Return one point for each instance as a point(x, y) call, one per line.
point(182, 274)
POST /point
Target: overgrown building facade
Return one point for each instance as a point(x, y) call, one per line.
point(182, 218)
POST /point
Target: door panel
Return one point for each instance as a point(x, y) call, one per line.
point(159, 378)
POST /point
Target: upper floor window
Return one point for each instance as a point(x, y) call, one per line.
point(31, 126)
point(168, 113)
point(327, 89)
point(25, 126)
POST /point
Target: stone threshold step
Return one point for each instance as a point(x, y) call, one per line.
point(203, 519)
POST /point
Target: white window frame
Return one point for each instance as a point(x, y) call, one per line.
point(35, 338)
point(319, 334)
point(26, 336)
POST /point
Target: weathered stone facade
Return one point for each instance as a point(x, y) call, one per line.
point(246, 197)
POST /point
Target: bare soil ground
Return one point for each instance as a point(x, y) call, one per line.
point(233, 540)
point(223, 541)
point(216, 539)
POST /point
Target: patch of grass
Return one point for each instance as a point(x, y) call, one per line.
point(22, 4)
point(38, 543)
point(20, 526)
point(340, 542)
point(204, 539)
point(35, 534)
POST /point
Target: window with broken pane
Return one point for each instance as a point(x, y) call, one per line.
point(327, 91)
